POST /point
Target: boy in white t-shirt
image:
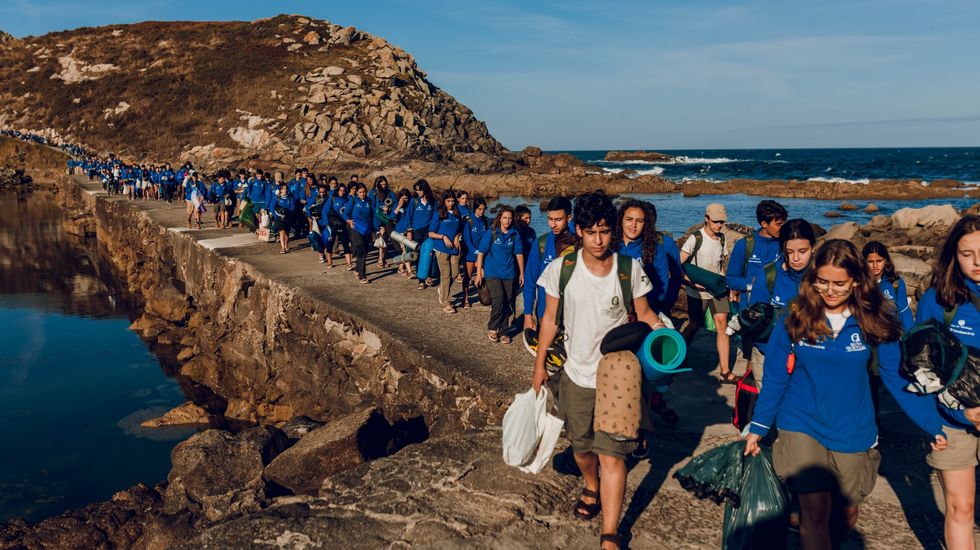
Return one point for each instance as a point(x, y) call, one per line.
point(710, 255)
point(592, 306)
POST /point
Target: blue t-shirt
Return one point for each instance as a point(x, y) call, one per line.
point(473, 231)
point(764, 251)
point(499, 250)
point(450, 226)
point(421, 216)
point(657, 270)
point(362, 212)
point(828, 394)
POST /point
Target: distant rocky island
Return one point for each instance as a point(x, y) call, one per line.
point(649, 156)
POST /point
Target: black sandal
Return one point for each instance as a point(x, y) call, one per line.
point(613, 538)
point(587, 511)
point(728, 378)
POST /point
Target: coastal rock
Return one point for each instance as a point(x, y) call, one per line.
point(339, 445)
point(972, 210)
point(297, 427)
point(833, 214)
point(871, 208)
point(943, 214)
point(168, 303)
point(911, 267)
point(217, 473)
point(845, 231)
point(847, 206)
point(650, 156)
point(187, 414)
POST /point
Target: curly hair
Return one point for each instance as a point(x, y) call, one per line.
point(648, 236)
point(874, 314)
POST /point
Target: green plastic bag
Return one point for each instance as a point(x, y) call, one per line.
point(715, 474)
point(709, 321)
point(247, 216)
point(759, 520)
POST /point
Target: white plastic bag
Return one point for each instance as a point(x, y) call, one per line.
point(520, 427)
point(549, 428)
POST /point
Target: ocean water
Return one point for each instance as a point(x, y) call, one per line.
point(846, 165)
point(676, 213)
point(75, 382)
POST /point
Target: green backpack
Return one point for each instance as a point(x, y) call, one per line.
point(624, 267)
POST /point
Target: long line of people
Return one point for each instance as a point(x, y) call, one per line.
point(838, 314)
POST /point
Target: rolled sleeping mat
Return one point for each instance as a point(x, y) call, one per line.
point(618, 382)
point(403, 240)
point(628, 337)
point(425, 259)
point(662, 354)
point(714, 283)
point(409, 257)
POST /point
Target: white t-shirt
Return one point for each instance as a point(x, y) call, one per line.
point(837, 321)
point(593, 306)
point(710, 256)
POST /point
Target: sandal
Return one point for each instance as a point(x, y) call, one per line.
point(364, 281)
point(492, 335)
point(449, 309)
point(728, 378)
point(505, 339)
point(466, 305)
point(350, 267)
point(421, 286)
point(586, 511)
point(611, 537)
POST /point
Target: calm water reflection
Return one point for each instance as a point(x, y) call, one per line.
point(75, 383)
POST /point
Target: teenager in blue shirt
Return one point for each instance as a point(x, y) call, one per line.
point(635, 235)
point(403, 226)
point(447, 229)
point(500, 261)
point(194, 195)
point(317, 216)
point(473, 229)
point(554, 244)
point(744, 267)
point(383, 201)
point(420, 212)
point(955, 289)
point(337, 208)
point(796, 242)
point(818, 393)
point(360, 220)
point(260, 192)
point(281, 215)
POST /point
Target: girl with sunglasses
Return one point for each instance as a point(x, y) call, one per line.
point(817, 391)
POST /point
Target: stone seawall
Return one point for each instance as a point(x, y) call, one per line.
point(270, 349)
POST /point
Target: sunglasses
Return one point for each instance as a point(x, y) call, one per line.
point(717, 222)
point(824, 288)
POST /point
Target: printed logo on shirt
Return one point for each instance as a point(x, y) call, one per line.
point(856, 343)
point(615, 301)
point(808, 344)
point(888, 294)
point(960, 327)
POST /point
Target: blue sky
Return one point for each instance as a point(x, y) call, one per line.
point(577, 74)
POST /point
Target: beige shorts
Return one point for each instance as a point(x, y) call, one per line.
point(808, 467)
point(962, 453)
point(576, 406)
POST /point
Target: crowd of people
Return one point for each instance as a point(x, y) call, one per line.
point(834, 342)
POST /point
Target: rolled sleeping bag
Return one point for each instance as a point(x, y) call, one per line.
point(714, 283)
point(403, 240)
point(628, 337)
point(618, 383)
point(407, 257)
point(662, 354)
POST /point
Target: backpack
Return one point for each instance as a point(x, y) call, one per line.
point(624, 267)
point(746, 394)
point(542, 244)
point(749, 249)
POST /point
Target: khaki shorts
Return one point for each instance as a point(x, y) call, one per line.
point(716, 305)
point(576, 406)
point(963, 452)
point(808, 467)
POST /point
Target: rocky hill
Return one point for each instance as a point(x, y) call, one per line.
point(285, 90)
